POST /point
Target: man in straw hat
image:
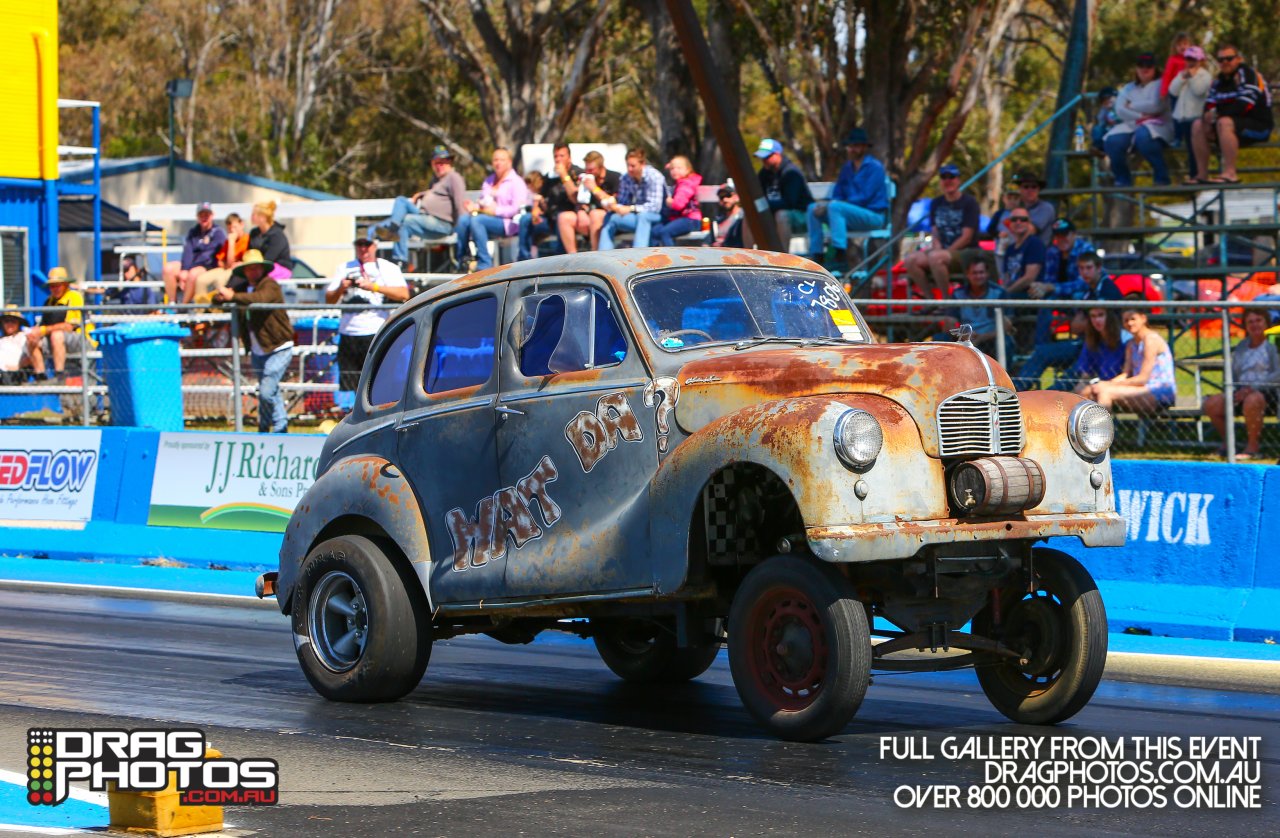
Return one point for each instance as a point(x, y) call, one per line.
point(13, 346)
point(59, 332)
point(267, 333)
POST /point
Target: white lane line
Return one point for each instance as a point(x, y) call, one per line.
point(122, 592)
point(1169, 656)
point(97, 798)
point(40, 830)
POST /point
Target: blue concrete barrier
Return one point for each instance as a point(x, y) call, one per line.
point(1202, 559)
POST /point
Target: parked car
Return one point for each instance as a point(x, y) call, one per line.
point(651, 447)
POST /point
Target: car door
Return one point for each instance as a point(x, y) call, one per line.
point(572, 422)
point(447, 446)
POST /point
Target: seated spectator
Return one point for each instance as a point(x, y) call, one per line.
point(1190, 87)
point(267, 334)
point(953, 225)
point(1101, 352)
point(638, 204)
point(1042, 212)
point(268, 238)
point(858, 203)
point(1024, 257)
point(533, 224)
point(59, 333)
point(728, 217)
point(13, 346)
point(1175, 63)
point(1145, 125)
point(982, 318)
point(596, 185)
point(998, 225)
point(1061, 271)
point(502, 196)
point(681, 213)
point(229, 255)
point(1145, 383)
point(1255, 370)
point(143, 298)
point(199, 254)
point(555, 209)
point(1237, 112)
point(1106, 118)
point(433, 212)
point(785, 188)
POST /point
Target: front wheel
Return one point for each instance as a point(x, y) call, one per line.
point(646, 653)
point(1061, 630)
point(799, 648)
point(360, 623)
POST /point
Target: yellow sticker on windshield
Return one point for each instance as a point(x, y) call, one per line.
point(846, 324)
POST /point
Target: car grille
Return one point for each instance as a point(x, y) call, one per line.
point(983, 421)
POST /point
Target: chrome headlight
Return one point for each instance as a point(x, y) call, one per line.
point(858, 438)
point(1090, 429)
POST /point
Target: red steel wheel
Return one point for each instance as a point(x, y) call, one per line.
point(799, 648)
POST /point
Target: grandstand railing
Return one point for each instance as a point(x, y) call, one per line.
point(219, 392)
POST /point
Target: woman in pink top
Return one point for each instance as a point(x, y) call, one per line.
point(682, 213)
point(503, 196)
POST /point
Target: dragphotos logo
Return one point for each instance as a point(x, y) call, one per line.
point(144, 760)
point(45, 471)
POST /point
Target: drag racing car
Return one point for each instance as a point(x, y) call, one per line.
point(672, 450)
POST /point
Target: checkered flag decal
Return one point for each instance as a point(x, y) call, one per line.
point(728, 534)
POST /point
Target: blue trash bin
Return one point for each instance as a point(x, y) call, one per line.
point(144, 373)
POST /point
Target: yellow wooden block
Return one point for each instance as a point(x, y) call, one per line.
point(159, 812)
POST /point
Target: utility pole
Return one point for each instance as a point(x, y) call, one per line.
point(1071, 84)
point(736, 158)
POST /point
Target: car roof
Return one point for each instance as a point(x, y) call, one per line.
point(615, 266)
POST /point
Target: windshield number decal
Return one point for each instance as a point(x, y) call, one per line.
point(828, 297)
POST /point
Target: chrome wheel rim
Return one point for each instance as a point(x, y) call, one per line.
point(339, 621)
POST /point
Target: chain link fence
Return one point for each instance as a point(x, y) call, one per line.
point(218, 389)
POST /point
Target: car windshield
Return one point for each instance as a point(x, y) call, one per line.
point(746, 306)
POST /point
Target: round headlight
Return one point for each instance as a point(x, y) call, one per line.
point(1090, 429)
point(858, 438)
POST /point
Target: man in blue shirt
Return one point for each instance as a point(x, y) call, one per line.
point(199, 254)
point(638, 204)
point(982, 318)
point(1024, 257)
point(858, 202)
point(785, 188)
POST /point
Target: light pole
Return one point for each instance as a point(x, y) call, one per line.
point(175, 89)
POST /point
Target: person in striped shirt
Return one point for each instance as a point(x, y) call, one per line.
point(1237, 113)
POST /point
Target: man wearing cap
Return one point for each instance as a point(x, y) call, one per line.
point(953, 226)
point(785, 188)
point(1042, 212)
point(432, 212)
point(59, 331)
point(267, 333)
point(858, 202)
point(13, 346)
point(728, 217)
point(365, 280)
point(199, 254)
point(1237, 112)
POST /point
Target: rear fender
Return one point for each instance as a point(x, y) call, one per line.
point(370, 490)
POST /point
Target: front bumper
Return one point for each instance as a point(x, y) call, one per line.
point(903, 539)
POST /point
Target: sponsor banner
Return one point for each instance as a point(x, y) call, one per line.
point(231, 481)
point(48, 475)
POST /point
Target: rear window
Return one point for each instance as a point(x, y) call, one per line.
point(462, 346)
point(387, 385)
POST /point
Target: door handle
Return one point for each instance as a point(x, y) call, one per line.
point(404, 426)
point(508, 411)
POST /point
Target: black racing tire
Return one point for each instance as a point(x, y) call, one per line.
point(1063, 628)
point(643, 652)
point(799, 648)
point(361, 625)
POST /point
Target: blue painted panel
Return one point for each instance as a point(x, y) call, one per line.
point(1260, 620)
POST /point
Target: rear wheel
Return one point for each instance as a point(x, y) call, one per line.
point(646, 653)
point(1061, 630)
point(361, 627)
point(799, 648)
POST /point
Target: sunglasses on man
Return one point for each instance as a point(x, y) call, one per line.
point(1231, 57)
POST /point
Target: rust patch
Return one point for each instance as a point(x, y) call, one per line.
point(654, 261)
point(739, 257)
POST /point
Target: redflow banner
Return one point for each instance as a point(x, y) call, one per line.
point(48, 476)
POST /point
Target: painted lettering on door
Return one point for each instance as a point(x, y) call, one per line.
point(593, 435)
point(1171, 517)
point(507, 513)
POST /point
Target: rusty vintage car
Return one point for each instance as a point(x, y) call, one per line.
point(671, 450)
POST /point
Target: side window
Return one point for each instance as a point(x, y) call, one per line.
point(462, 346)
point(552, 331)
point(387, 385)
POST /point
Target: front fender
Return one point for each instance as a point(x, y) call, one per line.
point(369, 489)
point(1068, 488)
point(793, 439)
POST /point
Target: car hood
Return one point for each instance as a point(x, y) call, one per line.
point(916, 376)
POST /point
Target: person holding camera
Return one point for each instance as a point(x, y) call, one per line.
point(365, 280)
